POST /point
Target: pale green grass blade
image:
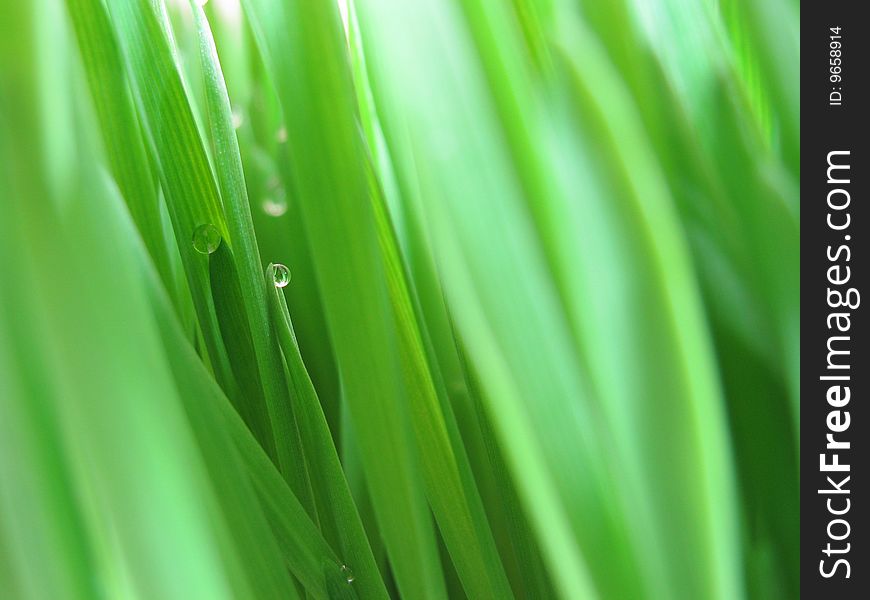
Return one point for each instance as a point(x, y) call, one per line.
point(117, 412)
point(506, 233)
point(694, 397)
point(450, 489)
point(389, 29)
point(520, 552)
point(38, 514)
point(119, 126)
point(728, 196)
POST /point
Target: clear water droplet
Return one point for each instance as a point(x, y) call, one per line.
point(281, 135)
point(348, 574)
point(206, 238)
point(238, 118)
point(281, 275)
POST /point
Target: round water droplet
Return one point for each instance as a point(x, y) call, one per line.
point(206, 238)
point(274, 207)
point(348, 574)
point(281, 276)
point(281, 135)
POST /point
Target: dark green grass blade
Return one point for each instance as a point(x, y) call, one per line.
point(301, 545)
point(190, 191)
point(339, 517)
point(229, 308)
point(253, 312)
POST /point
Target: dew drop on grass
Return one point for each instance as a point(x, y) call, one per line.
point(206, 238)
point(348, 574)
point(281, 275)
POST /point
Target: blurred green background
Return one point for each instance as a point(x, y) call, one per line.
point(541, 333)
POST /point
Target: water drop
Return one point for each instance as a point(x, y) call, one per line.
point(238, 118)
point(281, 135)
point(274, 207)
point(206, 238)
point(281, 275)
point(275, 204)
point(348, 574)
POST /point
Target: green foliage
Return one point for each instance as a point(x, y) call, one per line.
point(545, 314)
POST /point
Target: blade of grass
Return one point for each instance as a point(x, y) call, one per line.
point(329, 175)
point(340, 522)
point(229, 307)
point(231, 179)
point(301, 545)
point(189, 188)
point(396, 35)
point(450, 486)
point(119, 126)
point(694, 397)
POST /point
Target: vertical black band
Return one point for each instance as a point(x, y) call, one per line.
point(835, 169)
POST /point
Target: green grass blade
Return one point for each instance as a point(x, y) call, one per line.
point(190, 191)
point(231, 180)
point(301, 545)
point(545, 299)
point(122, 138)
point(450, 488)
point(339, 517)
point(329, 175)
